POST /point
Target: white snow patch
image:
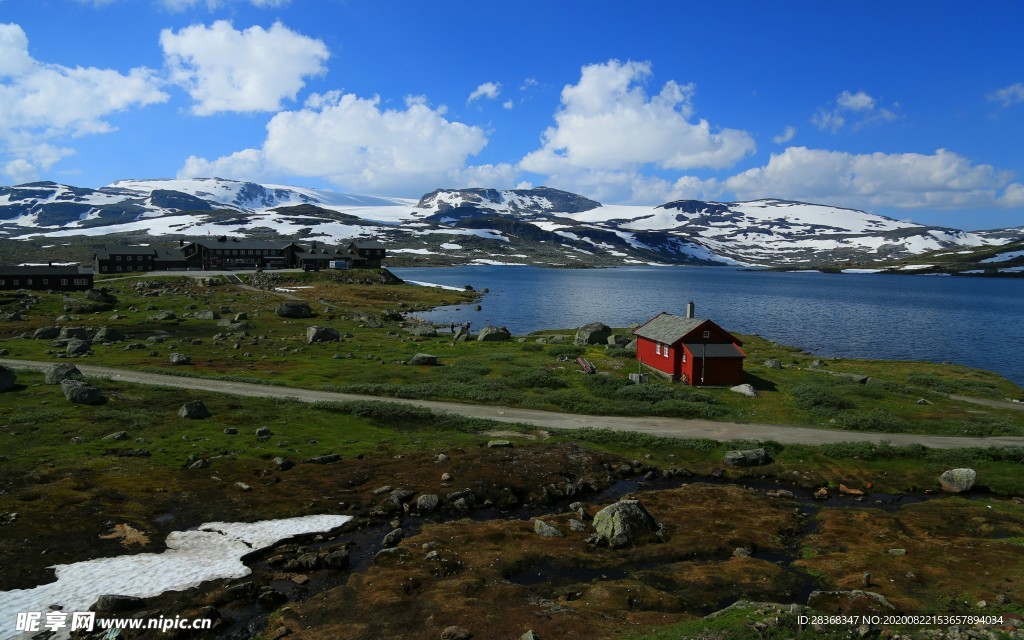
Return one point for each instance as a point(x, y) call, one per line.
point(861, 270)
point(451, 246)
point(422, 252)
point(213, 551)
point(915, 267)
point(1004, 257)
point(432, 284)
point(499, 263)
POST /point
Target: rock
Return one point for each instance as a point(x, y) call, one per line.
point(78, 392)
point(427, 502)
point(499, 444)
point(207, 315)
point(101, 295)
point(897, 552)
point(46, 333)
point(854, 602)
point(772, 363)
point(263, 431)
point(82, 333)
point(780, 493)
point(465, 495)
point(821, 494)
point(326, 458)
point(577, 525)
point(180, 358)
point(194, 410)
point(243, 486)
point(542, 528)
point(850, 491)
point(422, 330)
point(7, 378)
point(294, 309)
point(455, 632)
point(390, 557)
point(231, 431)
point(958, 480)
point(117, 435)
point(201, 463)
point(115, 603)
point(424, 359)
point(77, 347)
point(392, 539)
point(106, 334)
point(593, 333)
point(922, 401)
point(530, 635)
point(163, 316)
point(322, 334)
point(494, 334)
point(271, 599)
point(856, 377)
point(624, 523)
point(283, 464)
point(744, 390)
point(746, 457)
point(741, 552)
point(337, 559)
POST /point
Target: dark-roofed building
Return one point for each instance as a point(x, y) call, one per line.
point(169, 260)
point(233, 253)
point(46, 277)
point(692, 350)
point(120, 258)
point(371, 251)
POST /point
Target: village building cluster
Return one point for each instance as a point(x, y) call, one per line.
point(206, 255)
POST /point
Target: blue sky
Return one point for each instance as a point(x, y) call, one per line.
point(908, 109)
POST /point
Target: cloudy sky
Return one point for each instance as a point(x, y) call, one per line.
point(909, 109)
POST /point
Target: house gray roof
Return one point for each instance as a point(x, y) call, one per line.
point(126, 250)
point(168, 255)
point(667, 328)
point(701, 350)
point(367, 244)
point(231, 243)
point(45, 270)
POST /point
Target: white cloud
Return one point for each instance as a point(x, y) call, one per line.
point(489, 90)
point(253, 70)
point(607, 122)
point(942, 180)
point(1008, 96)
point(21, 171)
point(507, 105)
point(361, 147)
point(786, 135)
point(211, 5)
point(41, 103)
point(854, 109)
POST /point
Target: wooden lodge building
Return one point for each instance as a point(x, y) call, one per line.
point(46, 277)
point(234, 253)
point(691, 350)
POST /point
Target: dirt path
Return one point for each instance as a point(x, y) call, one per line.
point(670, 427)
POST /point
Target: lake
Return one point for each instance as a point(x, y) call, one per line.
point(978, 322)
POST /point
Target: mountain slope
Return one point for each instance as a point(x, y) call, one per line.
point(458, 226)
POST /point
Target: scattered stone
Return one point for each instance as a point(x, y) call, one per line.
point(264, 431)
point(897, 552)
point(744, 390)
point(958, 480)
point(772, 363)
point(746, 457)
point(82, 333)
point(455, 632)
point(624, 523)
point(741, 552)
point(106, 334)
point(78, 392)
point(243, 486)
point(465, 495)
point(390, 556)
point(321, 334)
point(849, 602)
point(530, 635)
point(283, 464)
point(850, 491)
point(194, 410)
point(78, 347)
point(101, 295)
point(392, 539)
point(115, 603)
point(546, 530)
point(271, 599)
point(427, 502)
point(163, 316)
point(576, 525)
point(424, 359)
point(780, 493)
point(117, 435)
point(821, 494)
point(46, 333)
point(337, 559)
point(231, 431)
point(7, 378)
point(498, 444)
point(180, 358)
point(294, 309)
point(922, 401)
point(326, 458)
point(494, 334)
point(593, 333)
point(422, 330)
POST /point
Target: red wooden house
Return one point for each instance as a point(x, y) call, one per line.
point(695, 351)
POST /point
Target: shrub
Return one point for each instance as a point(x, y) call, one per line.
point(536, 379)
point(820, 399)
point(565, 351)
point(620, 352)
point(603, 386)
point(646, 392)
point(532, 346)
point(871, 420)
point(686, 409)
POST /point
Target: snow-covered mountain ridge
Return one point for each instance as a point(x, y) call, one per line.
point(458, 226)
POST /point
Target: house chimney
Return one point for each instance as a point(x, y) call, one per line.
point(181, 243)
point(689, 309)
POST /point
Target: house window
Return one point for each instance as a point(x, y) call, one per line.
point(3, 282)
point(684, 356)
point(138, 258)
point(657, 348)
point(707, 334)
point(664, 350)
point(117, 268)
point(63, 282)
point(16, 282)
point(28, 282)
point(46, 281)
point(117, 258)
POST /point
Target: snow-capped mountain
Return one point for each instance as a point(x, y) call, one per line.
point(528, 226)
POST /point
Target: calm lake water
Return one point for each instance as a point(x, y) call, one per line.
point(973, 321)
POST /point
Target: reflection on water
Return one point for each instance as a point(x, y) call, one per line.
point(973, 321)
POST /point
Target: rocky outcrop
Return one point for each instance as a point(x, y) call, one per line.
point(854, 602)
point(180, 358)
point(194, 410)
point(7, 378)
point(546, 530)
point(744, 390)
point(46, 333)
point(294, 309)
point(101, 295)
point(55, 373)
point(321, 334)
point(163, 316)
point(958, 480)
point(424, 359)
point(422, 330)
point(593, 333)
point(77, 347)
point(623, 524)
point(746, 457)
point(494, 334)
point(78, 392)
point(82, 333)
point(106, 334)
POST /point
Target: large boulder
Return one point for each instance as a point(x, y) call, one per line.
point(322, 334)
point(56, 373)
point(746, 457)
point(78, 392)
point(7, 378)
point(194, 410)
point(422, 330)
point(744, 390)
point(76, 347)
point(101, 295)
point(82, 333)
point(46, 333)
point(494, 334)
point(773, 363)
point(624, 523)
point(424, 359)
point(106, 334)
point(163, 316)
point(958, 480)
point(180, 358)
point(294, 309)
point(207, 315)
point(593, 333)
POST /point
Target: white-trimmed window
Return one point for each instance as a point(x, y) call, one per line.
point(657, 348)
point(664, 350)
point(63, 282)
point(707, 334)
point(684, 356)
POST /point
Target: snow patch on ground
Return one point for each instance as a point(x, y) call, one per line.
point(211, 552)
point(432, 284)
point(1004, 257)
point(451, 246)
point(422, 252)
point(861, 270)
